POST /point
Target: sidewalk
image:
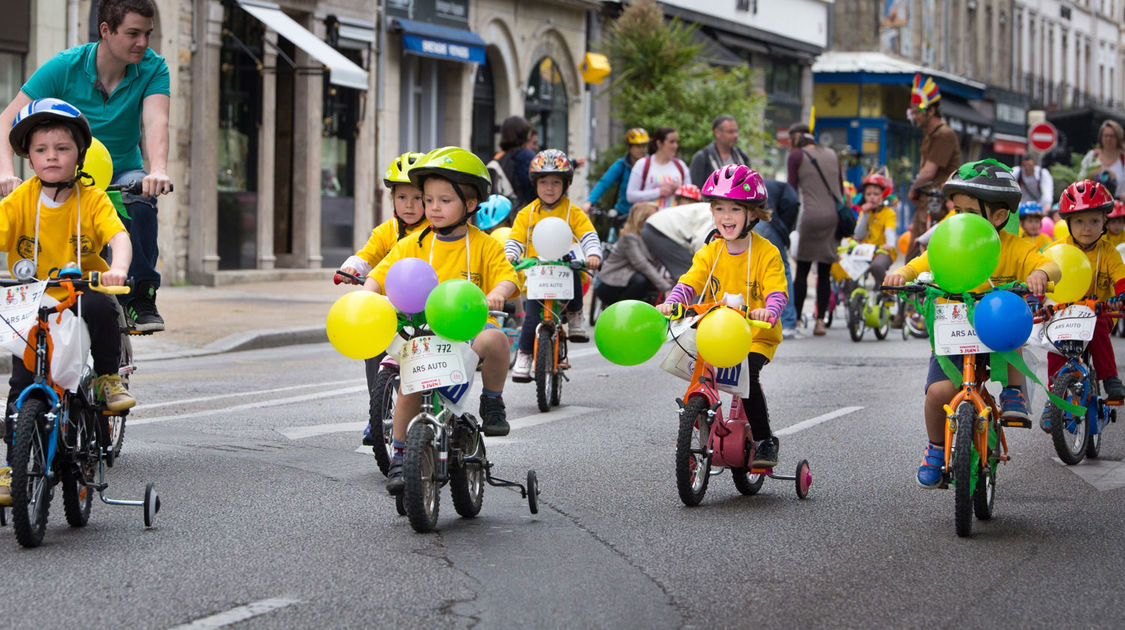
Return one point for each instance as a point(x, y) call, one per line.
point(210, 320)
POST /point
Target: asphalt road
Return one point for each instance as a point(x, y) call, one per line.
point(272, 515)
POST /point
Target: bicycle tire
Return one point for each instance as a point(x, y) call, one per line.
point(963, 469)
point(884, 328)
point(693, 469)
point(746, 483)
point(856, 325)
point(381, 409)
point(1094, 445)
point(1069, 434)
point(557, 375)
point(31, 494)
point(466, 485)
point(422, 492)
point(984, 496)
point(543, 367)
point(78, 498)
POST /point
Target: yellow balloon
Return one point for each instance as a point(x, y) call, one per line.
point(98, 164)
point(501, 234)
point(723, 338)
point(1077, 274)
point(361, 324)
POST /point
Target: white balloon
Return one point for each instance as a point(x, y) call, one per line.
point(551, 238)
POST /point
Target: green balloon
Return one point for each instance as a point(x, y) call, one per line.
point(964, 251)
point(630, 332)
point(457, 310)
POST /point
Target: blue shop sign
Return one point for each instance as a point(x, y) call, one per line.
point(440, 42)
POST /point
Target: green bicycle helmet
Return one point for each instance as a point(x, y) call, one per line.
point(396, 172)
point(455, 164)
point(986, 180)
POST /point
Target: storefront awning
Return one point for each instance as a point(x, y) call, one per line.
point(440, 42)
point(874, 67)
point(341, 70)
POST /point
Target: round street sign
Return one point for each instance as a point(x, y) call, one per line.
point(1042, 136)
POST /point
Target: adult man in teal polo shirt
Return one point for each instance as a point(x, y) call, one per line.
point(122, 88)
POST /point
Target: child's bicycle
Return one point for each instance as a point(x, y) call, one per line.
point(707, 441)
point(974, 431)
point(1069, 328)
point(60, 436)
point(866, 307)
point(552, 284)
point(444, 442)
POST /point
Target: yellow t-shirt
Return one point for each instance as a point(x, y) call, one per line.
point(1108, 268)
point(1114, 240)
point(1040, 241)
point(877, 226)
point(383, 238)
point(483, 263)
point(766, 275)
point(1062, 230)
point(58, 234)
point(1018, 258)
point(534, 212)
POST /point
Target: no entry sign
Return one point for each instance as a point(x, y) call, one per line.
point(1042, 136)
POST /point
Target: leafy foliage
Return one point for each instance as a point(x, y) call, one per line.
point(1066, 174)
point(660, 81)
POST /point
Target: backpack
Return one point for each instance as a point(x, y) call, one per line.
point(501, 185)
point(648, 163)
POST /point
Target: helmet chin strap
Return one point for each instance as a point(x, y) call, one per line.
point(63, 185)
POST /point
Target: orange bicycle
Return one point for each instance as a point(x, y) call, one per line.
point(551, 284)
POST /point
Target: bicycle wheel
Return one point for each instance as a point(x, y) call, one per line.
point(965, 469)
point(466, 481)
point(985, 493)
point(746, 483)
point(856, 325)
point(557, 375)
point(77, 497)
point(419, 468)
point(1069, 433)
point(381, 413)
point(31, 492)
point(693, 466)
point(1094, 444)
point(884, 327)
point(544, 368)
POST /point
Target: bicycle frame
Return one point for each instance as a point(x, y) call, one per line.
point(554, 322)
point(974, 392)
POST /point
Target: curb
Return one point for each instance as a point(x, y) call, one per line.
point(237, 342)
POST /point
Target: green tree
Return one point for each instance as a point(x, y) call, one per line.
point(660, 81)
point(1066, 174)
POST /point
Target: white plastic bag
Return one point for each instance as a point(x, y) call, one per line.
point(70, 345)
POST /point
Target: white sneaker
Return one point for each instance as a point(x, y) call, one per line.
point(576, 328)
point(521, 373)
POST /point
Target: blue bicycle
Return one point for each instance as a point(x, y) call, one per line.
point(1069, 328)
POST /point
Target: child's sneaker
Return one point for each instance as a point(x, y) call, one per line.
point(109, 388)
point(395, 482)
point(765, 455)
point(521, 372)
point(493, 417)
point(576, 328)
point(1114, 390)
point(929, 473)
point(1013, 404)
point(5, 486)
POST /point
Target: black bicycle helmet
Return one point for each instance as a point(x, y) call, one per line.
point(987, 180)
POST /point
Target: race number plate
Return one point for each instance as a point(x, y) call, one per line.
point(430, 363)
point(19, 306)
point(1073, 323)
point(549, 282)
point(864, 251)
point(953, 333)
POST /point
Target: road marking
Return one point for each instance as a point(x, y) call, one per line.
point(331, 393)
point(812, 422)
point(235, 615)
point(313, 430)
point(1103, 474)
point(259, 392)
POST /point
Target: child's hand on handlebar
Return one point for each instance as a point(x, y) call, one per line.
point(668, 308)
point(495, 301)
point(760, 314)
point(894, 280)
point(113, 278)
point(593, 262)
point(1037, 282)
point(346, 279)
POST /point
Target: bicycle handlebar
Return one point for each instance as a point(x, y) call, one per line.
point(93, 282)
point(526, 263)
point(683, 310)
point(920, 287)
point(343, 276)
point(132, 188)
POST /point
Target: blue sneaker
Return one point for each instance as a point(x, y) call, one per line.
point(929, 473)
point(1045, 423)
point(1013, 404)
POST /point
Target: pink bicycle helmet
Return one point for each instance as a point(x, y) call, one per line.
point(737, 183)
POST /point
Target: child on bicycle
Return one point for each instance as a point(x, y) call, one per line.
point(409, 218)
point(1084, 206)
point(876, 224)
point(454, 182)
point(1031, 222)
point(551, 174)
point(1115, 224)
point(989, 189)
point(740, 268)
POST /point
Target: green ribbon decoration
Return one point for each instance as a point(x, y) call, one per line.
point(998, 361)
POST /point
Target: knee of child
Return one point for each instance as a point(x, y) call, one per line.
point(940, 393)
point(490, 340)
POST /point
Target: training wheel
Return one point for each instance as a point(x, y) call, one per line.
point(804, 479)
point(532, 492)
point(151, 504)
point(400, 506)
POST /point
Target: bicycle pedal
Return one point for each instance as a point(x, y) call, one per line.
point(1018, 423)
point(139, 333)
point(1115, 403)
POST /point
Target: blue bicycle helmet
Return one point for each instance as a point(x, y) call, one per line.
point(1028, 208)
point(493, 212)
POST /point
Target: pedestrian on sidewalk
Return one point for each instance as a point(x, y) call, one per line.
point(719, 153)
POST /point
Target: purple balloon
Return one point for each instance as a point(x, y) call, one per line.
point(409, 282)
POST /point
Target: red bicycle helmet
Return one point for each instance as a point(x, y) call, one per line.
point(1118, 210)
point(1085, 195)
point(691, 191)
point(880, 179)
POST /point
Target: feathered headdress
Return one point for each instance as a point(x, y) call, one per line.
point(925, 94)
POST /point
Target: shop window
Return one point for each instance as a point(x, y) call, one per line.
point(546, 104)
point(421, 123)
point(342, 108)
point(484, 114)
point(240, 114)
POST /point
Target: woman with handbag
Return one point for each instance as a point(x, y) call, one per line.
point(816, 174)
